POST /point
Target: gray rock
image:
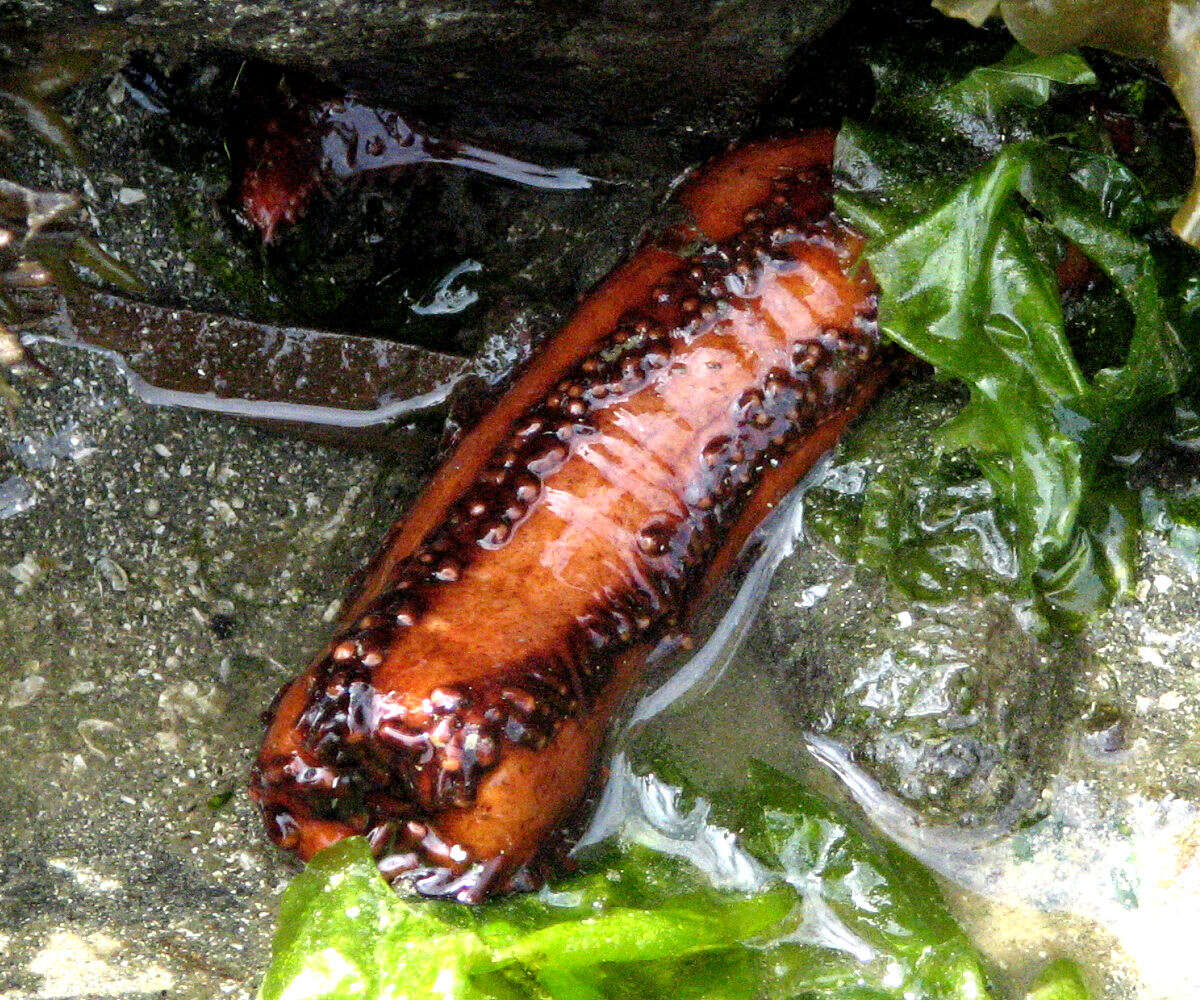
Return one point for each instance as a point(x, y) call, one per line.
point(168, 579)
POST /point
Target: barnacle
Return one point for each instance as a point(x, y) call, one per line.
point(40, 247)
point(32, 226)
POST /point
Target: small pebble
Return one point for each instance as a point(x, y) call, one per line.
point(25, 690)
point(114, 575)
point(1168, 701)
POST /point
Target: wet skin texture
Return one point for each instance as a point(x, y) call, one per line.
point(295, 149)
point(457, 717)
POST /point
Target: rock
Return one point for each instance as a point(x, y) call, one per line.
point(573, 69)
point(131, 860)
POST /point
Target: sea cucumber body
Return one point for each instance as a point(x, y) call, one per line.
point(457, 718)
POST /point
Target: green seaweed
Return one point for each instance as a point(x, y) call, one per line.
point(965, 255)
point(834, 915)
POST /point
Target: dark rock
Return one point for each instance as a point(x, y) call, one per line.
point(555, 69)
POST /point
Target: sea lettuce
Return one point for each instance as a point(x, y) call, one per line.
point(968, 194)
point(343, 932)
point(1161, 30)
point(832, 914)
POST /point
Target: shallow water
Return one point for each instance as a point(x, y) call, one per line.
point(166, 570)
point(1100, 865)
point(162, 572)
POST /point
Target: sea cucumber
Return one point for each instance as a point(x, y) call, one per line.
point(457, 717)
point(296, 148)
